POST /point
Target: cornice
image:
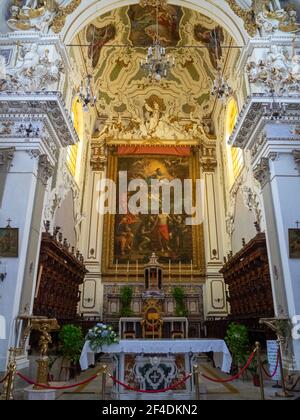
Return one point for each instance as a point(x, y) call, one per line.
point(252, 118)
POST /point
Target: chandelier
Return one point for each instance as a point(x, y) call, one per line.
point(221, 88)
point(157, 63)
point(85, 96)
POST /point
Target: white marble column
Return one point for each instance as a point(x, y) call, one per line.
point(280, 181)
point(28, 153)
point(22, 203)
point(274, 145)
point(92, 289)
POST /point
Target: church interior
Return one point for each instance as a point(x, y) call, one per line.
point(149, 199)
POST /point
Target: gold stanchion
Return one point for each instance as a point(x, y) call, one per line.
point(197, 383)
point(8, 387)
point(260, 371)
point(104, 376)
point(284, 393)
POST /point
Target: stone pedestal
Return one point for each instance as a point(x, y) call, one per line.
point(32, 394)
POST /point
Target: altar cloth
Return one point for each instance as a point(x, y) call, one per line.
point(222, 356)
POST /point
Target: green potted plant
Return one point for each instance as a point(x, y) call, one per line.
point(179, 297)
point(125, 300)
point(71, 341)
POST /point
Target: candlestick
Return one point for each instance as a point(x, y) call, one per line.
point(128, 265)
point(192, 270)
point(137, 270)
point(169, 271)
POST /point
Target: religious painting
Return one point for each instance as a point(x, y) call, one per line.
point(136, 237)
point(131, 238)
point(295, 4)
point(144, 27)
point(294, 243)
point(9, 242)
point(212, 39)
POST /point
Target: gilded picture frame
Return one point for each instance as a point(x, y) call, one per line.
point(109, 258)
point(9, 242)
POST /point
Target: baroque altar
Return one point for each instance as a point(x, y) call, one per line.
point(157, 364)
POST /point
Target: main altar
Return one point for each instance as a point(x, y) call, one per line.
point(155, 353)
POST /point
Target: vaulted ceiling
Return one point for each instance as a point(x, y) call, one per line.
point(119, 42)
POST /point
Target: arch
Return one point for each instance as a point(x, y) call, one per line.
point(91, 9)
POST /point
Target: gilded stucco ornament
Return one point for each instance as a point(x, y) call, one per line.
point(262, 16)
point(40, 14)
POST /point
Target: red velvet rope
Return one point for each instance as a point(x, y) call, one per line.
point(276, 368)
point(233, 378)
point(4, 379)
point(30, 382)
point(170, 388)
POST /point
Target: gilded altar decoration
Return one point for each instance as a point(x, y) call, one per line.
point(40, 14)
point(262, 16)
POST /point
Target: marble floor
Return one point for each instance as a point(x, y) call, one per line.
point(239, 390)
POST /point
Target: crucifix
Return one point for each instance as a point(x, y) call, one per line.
point(297, 224)
point(8, 223)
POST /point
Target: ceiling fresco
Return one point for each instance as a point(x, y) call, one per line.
point(118, 42)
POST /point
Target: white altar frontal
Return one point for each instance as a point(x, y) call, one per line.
point(153, 365)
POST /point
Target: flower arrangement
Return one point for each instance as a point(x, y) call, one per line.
point(100, 335)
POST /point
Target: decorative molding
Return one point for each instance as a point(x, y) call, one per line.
point(208, 165)
point(43, 106)
point(6, 157)
point(296, 154)
point(262, 172)
point(98, 156)
point(60, 19)
point(253, 117)
point(45, 169)
point(277, 72)
point(261, 16)
point(40, 15)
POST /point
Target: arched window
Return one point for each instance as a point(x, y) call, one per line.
point(74, 152)
point(235, 155)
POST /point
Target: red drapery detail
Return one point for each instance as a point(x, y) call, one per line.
point(154, 150)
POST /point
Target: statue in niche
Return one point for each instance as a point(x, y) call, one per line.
point(277, 59)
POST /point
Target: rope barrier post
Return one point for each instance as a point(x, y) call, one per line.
point(104, 376)
point(197, 382)
point(8, 386)
point(284, 393)
point(260, 371)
